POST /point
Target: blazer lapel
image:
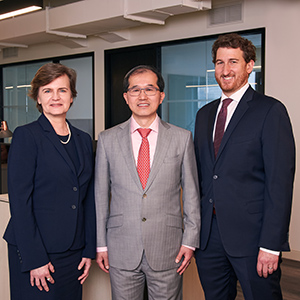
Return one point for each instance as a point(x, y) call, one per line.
point(79, 149)
point(124, 138)
point(52, 136)
point(162, 145)
point(235, 119)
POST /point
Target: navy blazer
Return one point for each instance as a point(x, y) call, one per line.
point(250, 182)
point(51, 204)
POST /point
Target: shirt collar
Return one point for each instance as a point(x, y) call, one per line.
point(237, 96)
point(134, 125)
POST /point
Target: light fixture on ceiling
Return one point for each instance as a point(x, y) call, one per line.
point(12, 8)
point(19, 12)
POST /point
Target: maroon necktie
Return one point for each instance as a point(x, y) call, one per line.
point(143, 161)
point(220, 125)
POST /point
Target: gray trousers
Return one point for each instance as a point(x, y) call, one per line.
point(129, 285)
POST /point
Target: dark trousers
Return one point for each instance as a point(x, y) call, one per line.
point(66, 286)
point(219, 273)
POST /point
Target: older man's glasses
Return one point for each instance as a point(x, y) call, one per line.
point(136, 91)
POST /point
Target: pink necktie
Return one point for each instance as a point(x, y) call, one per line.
point(143, 162)
point(219, 132)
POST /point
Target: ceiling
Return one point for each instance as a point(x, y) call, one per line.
point(71, 22)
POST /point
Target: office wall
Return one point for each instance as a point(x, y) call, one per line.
point(282, 23)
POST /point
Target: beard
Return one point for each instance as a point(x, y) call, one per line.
point(230, 84)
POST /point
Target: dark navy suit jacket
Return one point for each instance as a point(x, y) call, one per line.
point(251, 180)
point(52, 205)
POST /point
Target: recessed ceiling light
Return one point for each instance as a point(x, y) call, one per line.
point(20, 12)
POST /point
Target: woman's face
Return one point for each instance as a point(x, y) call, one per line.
point(55, 97)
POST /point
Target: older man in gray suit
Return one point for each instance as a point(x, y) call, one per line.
point(142, 165)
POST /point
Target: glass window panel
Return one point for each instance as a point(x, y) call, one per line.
point(18, 108)
point(81, 113)
point(189, 74)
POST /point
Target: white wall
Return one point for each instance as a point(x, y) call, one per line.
point(282, 22)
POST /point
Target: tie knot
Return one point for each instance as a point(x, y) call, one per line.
point(226, 102)
point(144, 132)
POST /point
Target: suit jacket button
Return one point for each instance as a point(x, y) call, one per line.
point(75, 189)
point(210, 200)
point(144, 196)
point(144, 219)
point(73, 206)
point(215, 177)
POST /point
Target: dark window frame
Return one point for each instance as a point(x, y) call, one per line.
point(55, 59)
point(157, 47)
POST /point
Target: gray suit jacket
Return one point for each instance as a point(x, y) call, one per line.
point(131, 220)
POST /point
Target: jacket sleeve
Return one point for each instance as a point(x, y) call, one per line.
point(90, 219)
point(102, 192)
point(21, 172)
point(190, 196)
point(278, 148)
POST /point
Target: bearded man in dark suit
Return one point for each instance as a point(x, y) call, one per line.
point(245, 155)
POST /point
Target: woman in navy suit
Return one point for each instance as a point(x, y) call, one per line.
point(51, 233)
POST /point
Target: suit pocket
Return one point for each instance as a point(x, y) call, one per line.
point(115, 221)
point(174, 221)
point(171, 159)
point(255, 207)
point(243, 139)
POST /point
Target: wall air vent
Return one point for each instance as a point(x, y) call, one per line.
point(226, 14)
point(10, 52)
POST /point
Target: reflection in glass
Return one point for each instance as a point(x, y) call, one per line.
point(189, 74)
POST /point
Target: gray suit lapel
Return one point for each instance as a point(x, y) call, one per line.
point(124, 138)
point(162, 145)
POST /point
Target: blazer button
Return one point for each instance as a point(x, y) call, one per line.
point(144, 196)
point(75, 189)
point(73, 206)
point(210, 200)
point(144, 219)
point(215, 177)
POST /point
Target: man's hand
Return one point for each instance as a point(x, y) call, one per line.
point(267, 263)
point(40, 276)
point(86, 263)
point(188, 254)
point(102, 261)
